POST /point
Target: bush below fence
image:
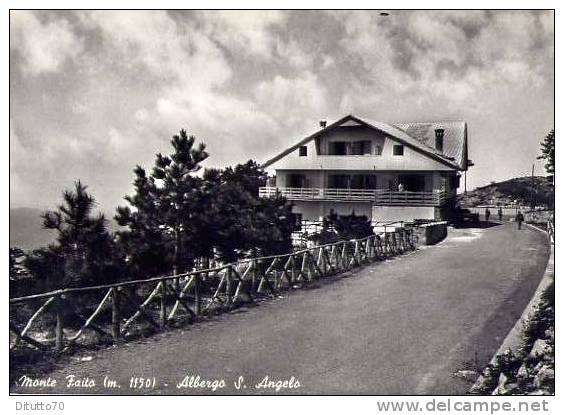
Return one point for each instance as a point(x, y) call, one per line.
point(63, 319)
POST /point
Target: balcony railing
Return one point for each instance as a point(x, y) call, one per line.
point(377, 196)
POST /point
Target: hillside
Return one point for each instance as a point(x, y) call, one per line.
point(26, 229)
point(522, 189)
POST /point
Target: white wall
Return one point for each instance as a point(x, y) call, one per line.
point(319, 209)
point(405, 213)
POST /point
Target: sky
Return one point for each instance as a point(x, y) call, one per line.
point(94, 93)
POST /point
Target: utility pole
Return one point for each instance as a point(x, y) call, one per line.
point(534, 191)
point(464, 181)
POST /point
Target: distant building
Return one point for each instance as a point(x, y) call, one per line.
point(387, 172)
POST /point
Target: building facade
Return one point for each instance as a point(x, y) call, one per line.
point(387, 172)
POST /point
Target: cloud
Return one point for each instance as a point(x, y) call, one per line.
point(43, 45)
point(292, 100)
point(291, 53)
point(447, 55)
point(241, 32)
point(169, 51)
point(116, 85)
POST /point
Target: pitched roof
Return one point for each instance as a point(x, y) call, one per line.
point(415, 135)
point(454, 138)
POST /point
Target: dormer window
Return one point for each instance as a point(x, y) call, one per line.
point(303, 151)
point(398, 150)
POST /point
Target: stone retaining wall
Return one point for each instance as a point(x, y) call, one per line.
point(431, 233)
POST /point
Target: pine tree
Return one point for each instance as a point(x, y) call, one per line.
point(227, 209)
point(166, 206)
point(547, 150)
point(83, 251)
point(239, 223)
point(145, 245)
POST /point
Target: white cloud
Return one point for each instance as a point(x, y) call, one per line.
point(243, 32)
point(169, 51)
point(43, 46)
point(291, 101)
point(292, 54)
point(250, 83)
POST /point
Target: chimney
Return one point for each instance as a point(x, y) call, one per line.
point(323, 123)
point(439, 133)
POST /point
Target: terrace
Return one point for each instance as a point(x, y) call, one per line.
point(376, 196)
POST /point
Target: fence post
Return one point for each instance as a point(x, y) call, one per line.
point(197, 294)
point(307, 258)
point(293, 271)
point(253, 275)
point(356, 252)
point(59, 334)
point(163, 304)
point(228, 283)
point(115, 314)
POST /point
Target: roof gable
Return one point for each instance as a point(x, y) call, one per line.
point(396, 132)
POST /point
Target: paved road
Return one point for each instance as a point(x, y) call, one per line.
point(403, 326)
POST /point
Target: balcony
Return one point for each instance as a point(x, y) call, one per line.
point(376, 196)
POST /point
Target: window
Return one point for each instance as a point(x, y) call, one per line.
point(357, 149)
point(398, 150)
point(370, 181)
point(363, 181)
point(339, 181)
point(337, 148)
point(303, 151)
point(378, 150)
point(353, 181)
point(412, 182)
point(360, 148)
point(296, 180)
point(348, 148)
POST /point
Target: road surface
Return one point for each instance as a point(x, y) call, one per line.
point(402, 326)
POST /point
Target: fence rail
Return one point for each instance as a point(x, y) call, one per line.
point(542, 217)
point(378, 196)
point(48, 321)
point(550, 229)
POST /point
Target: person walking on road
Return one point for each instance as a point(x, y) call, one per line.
point(519, 218)
point(487, 214)
point(500, 213)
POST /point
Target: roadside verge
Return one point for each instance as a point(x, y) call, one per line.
point(524, 363)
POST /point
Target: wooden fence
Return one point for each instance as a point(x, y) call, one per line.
point(544, 218)
point(115, 312)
